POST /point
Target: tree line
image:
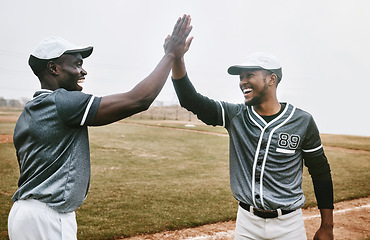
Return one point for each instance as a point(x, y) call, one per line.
point(13, 103)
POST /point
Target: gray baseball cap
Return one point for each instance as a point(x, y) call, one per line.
point(54, 47)
point(258, 60)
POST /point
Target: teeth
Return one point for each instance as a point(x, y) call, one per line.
point(247, 90)
point(80, 81)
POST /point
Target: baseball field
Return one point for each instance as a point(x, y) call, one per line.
point(153, 175)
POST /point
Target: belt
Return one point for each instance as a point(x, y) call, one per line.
point(264, 213)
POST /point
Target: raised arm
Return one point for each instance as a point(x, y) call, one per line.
point(178, 67)
point(207, 110)
point(118, 106)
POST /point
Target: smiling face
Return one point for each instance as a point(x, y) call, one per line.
point(254, 86)
point(70, 71)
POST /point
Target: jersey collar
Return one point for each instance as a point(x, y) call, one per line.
point(41, 92)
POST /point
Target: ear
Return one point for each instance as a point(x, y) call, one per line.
point(273, 79)
point(52, 68)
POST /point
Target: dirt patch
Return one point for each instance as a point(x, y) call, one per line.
point(5, 138)
point(351, 221)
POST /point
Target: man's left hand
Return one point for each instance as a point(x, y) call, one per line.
point(324, 233)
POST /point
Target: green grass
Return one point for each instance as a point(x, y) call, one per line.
point(351, 142)
point(150, 179)
point(157, 179)
point(9, 173)
point(194, 125)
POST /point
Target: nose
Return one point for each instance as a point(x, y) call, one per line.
point(243, 80)
point(83, 72)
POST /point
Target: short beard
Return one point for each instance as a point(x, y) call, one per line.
point(258, 99)
point(253, 102)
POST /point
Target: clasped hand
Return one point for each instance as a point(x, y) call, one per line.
point(176, 43)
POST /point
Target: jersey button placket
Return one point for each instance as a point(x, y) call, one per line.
point(258, 170)
point(259, 167)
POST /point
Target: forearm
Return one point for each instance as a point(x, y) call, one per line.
point(149, 88)
point(186, 93)
point(118, 106)
point(319, 169)
point(206, 109)
point(178, 68)
point(323, 189)
point(325, 232)
point(184, 89)
point(327, 218)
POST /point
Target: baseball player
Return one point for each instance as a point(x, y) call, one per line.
point(270, 141)
point(51, 136)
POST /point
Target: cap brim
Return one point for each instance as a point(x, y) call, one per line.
point(237, 69)
point(85, 52)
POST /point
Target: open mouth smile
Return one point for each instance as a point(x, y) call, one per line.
point(81, 80)
point(247, 91)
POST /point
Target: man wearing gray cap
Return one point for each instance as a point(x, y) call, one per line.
point(51, 136)
point(269, 143)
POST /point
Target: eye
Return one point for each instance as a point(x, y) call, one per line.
point(246, 76)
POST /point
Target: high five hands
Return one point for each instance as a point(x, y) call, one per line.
point(177, 43)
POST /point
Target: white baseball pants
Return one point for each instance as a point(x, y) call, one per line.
point(284, 227)
point(32, 219)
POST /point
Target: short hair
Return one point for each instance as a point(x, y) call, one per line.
point(37, 64)
point(269, 72)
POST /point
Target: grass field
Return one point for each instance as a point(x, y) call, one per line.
point(148, 176)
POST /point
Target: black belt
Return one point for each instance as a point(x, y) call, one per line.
point(263, 213)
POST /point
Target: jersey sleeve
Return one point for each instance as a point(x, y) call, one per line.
point(76, 108)
point(312, 142)
point(207, 110)
point(318, 167)
point(319, 170)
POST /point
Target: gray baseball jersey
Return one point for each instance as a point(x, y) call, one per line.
point(52, 146)
point(266, 158)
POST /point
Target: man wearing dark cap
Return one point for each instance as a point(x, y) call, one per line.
point(269, 143)
point(51, 137)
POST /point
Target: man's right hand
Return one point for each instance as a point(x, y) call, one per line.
point(176, 43)
point(115, 107)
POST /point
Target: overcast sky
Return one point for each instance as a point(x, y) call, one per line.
point(324, 46)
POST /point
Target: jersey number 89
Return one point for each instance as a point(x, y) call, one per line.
point(286, 140)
